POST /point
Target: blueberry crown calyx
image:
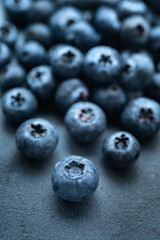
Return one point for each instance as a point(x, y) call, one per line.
point(38, 130)
point(5, 30)
point(121, 142)
point(145, 115)
point(74, 169)
point(17, 100)
point(68, 57)
point(105, 59)
point(86, 115)
point(139, 30)
point(38, 75)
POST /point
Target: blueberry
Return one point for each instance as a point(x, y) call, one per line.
point(12, 75)
point(66, 61)
point(154, 41)
point(42, 82)
point(128, 8)
point(153, 89)
point(85, 121)
point(102, 64)
point(137, 71)
point(141, 117)
point(135, 31)
point(42, 10)
point(18, 104)
point(32, 54)
point(75, 178)
point(8, 33)
point(62, 19)
point(121, 149)
point(112, 99)
point(5, 55)
point(36, 138)
point(41, 33)
point(19, 11)
point(82, 35)
point(70, 91)
point(106, 21)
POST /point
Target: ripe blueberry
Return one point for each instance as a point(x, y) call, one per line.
point(137, 71)
point(36, 138)
point(102, 65)
point(82, 35)
point(32, 54)
point(41, 81)
point(141, 117)
point(85, 121)
point(75, 178)
point(62, 19)
point(112, 99)
point(70, 91)
point(66, 61)
point(121, 149)
point(12, 75)
point(19, 104)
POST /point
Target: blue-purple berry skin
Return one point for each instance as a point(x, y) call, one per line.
point(36, 138)
point(141, 117)
point(74, 178)
point(19, 104)
point(85, 121)
point(121, 149)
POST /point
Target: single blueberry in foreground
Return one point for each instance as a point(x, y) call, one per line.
point(85, 121)
point(75, 178)
point(141, 117)
point(19, 104)
point(36, 138)
point(121, 149)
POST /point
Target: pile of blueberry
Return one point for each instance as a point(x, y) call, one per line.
point(92, 59)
